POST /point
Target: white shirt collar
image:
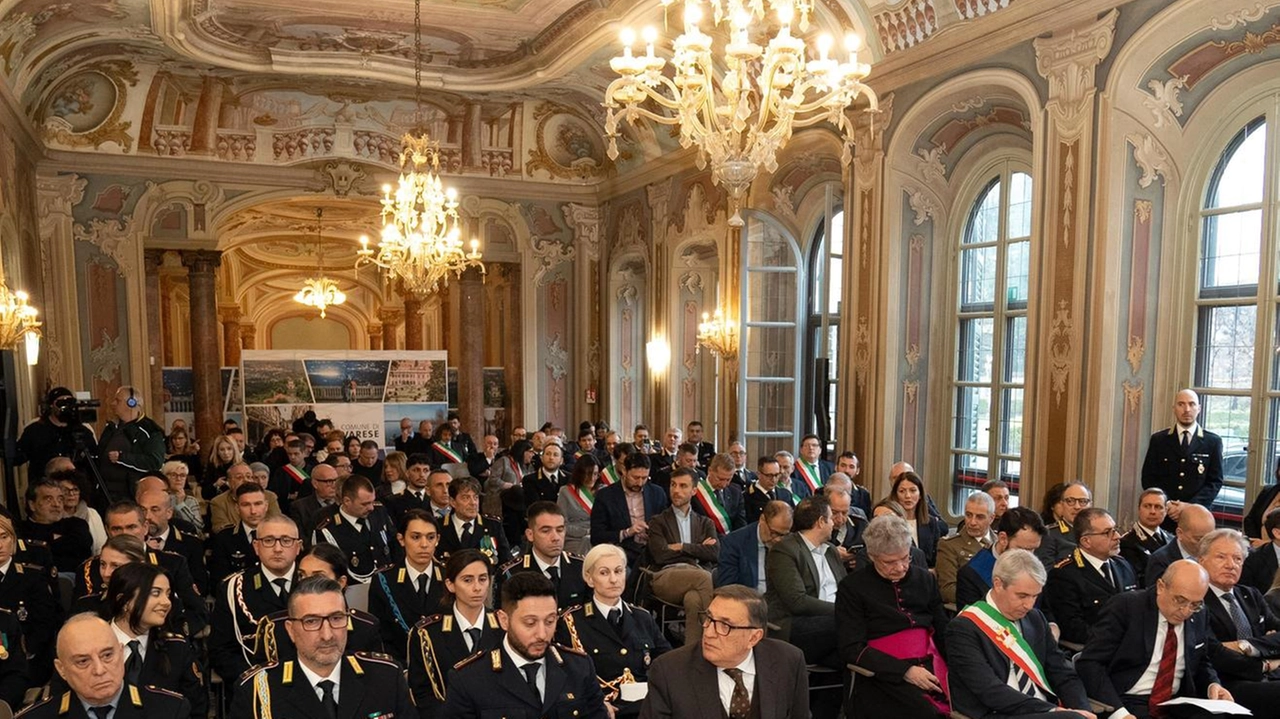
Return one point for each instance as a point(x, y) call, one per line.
point(516, 657)
point(542, 566)
point(353, 521)
point(334, 676)
point(459, 521)
point(4, 568)
point(464, 625)
point(605, 608)
point(1093, 561)
point(124, 638)
point(413, 574)
point(272, 576)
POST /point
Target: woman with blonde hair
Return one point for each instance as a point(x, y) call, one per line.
point(223, 452)
point(394, 470)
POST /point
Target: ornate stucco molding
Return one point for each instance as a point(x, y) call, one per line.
point(584, 220)
point(1151, 158)
point(115, 238)
point(1068, 63)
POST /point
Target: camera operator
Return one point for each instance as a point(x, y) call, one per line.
point(54, 434)
point(132, 445)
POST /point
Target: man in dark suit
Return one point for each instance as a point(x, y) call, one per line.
point(989, 678)
point(718, 499)
point(1184, 460)
point(164, 536)
point(1247, 647)
point(766, 488)
point(743, 476)
point(1193, 524)
point(308, 510)
point(742, 551)
point(410, 589)
point(361, 528)
point(231, 550)
point(546, 556)
point(849, 465)
point(613, 519)
point(1160, 626)
point(1019, 528)
point(768, 676)
point(544, 484)
point(810, 471)
point(465, 528)
point(367, 685)
point(415, 494)
point(1260, 567)
point(528, 675)
point(292, 480)
point(684, 547)
point(803, 572)
point(1147, 535)
point(461, 440)
point(706, 450)
point(1080, 585)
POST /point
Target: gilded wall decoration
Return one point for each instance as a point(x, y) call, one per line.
point(862, 352)
point(106, 360)
point(116, 240)
point(1134, 352)
point(85, 109)
point(1060, 350)
point(566, 146)
point(1132, 395)
point(1068, 193)
point(910, 390)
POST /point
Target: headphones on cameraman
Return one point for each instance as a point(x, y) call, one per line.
point(132, 402)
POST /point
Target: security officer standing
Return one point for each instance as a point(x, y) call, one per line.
point(546, 555)
point(325, 680)
point(361, 528)
point(528, 676)
point(1184, 460)
point(91, 661)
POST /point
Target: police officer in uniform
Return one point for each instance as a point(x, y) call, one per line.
point(1184, 460)
point(14, 678)
point(621, 639)
point(231, 549)
point(25, 591)
point(325, 680)
point(765, 489)
point(163, 534)
point(404, 593)
point(83, 637)
point(246, 597)
point(465, 528)
point(546, 555)
point(361, 528)
point(437, 643)
point(1079, 585)
point(1064, 502)
point(528, 676)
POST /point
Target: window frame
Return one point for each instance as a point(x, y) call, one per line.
point(819, 320)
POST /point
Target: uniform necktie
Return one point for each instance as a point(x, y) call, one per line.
point(615, 618)
point(418, 495)
point(440, 513)
point(253, 535)
point(423, 586)
point(553, 573)
point(102, 712)
point(1186, 439)
point(740, 702)
point(1162, 689)
point(327, 701)
point(282, 585)
point(473, 634)
point(531, 676)
point(466, 531)
point(1237, 616)
point(364, 525)
point(133, 665)
point(1109, 574)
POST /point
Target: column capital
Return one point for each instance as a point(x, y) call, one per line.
point(1068, 61)
point(230, 314)
point(584, 220)
point(390, 317)
point(152, 258)
point(201, 261)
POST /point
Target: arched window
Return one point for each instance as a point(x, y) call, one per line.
point(991, 341)
point(1236, 366)
point(826, 278)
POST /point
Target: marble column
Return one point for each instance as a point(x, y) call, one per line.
point(513, 346)
point(248, 337)
point(152, 259)
point(391, 321)
point(470, 361)
point(657, 409)
point(231, 336)
point(202, 267)
point(726, 422)
point(375, 337)
point(584, 220)
point(204, 138)
point(415, 334)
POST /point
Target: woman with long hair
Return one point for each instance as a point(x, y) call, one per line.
point(465, 627)
point(223, 452)
point(179, 446)
point(352, 445)
point(394, 470)
point(187, 502)
point(926, 530)
point(576, 499)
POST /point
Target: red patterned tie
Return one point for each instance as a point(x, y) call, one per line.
point(1162, 690)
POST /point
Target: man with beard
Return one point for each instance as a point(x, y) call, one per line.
point(364, 685)
point(528, 676)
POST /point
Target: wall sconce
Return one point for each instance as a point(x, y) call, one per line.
point(658, 354)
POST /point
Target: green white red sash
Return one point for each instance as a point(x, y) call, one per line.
point(1005, 635)
point(809, 473)
point(583, 497)
point(447, 452)
point(609, 475)
point(714, 510)
point(299, 476)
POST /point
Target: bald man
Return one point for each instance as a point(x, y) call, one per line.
point(1195, 523)
point(1184, 460)
point(91, 660)
point(132, 444)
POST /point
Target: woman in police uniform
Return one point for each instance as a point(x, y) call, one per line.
point(621, 639)
point(439, 642)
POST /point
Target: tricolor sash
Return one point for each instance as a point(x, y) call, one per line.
point(583, 497)
point(714, 510)
point(447, 452)
point(1005, 635)
point(809, 473)
point(299, 476)
point(609, 475)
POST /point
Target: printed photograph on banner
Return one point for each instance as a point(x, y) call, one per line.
point(437, 412)
point(259, 419)
point(495, 387)
point(280, 381)
point(231, 392)
point(346, 380)
point(410, 380)
point(453, 388)
point(179, 390)
point(495, 421)
point(354, 419)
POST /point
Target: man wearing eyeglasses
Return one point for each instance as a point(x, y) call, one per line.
point(1080, 585)
point(734, 671)
point(247, 596)
point(766, 489)
point(1152, 645)
point(1193, 524)
point(743, 551)
point(323, 677)
point(1059, 541)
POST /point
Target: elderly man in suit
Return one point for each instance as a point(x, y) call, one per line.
point(734, 671)
point(1081, 584)
point(1184, 460)
point(1193, 524)
point(991, 677)
point(622, 511)
point(1147, 536)
point(1160, 627)
point(684, 547)
point(803, 572)
point(1260, 567)
point(718, 499)
point(743, 551)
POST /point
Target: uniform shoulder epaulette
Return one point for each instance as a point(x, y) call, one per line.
point(513, 564)
point(428, 621)
point(252, 671)
point(568, 650)
point(379, 658)
point(492, 518)
point(362, 616)
point(497, 657)
point(325, 521)
point(573, 610)
point(33, 542)
point(172, 637)
point(574, 557)
point(1062, 562)
point(42, 702)
point(160, 690)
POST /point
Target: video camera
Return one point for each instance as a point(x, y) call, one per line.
point(70, 410)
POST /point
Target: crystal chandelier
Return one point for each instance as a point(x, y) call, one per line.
point(739, 107)
point(18, 322)
point(718, 335)
point(320, 292)
point(421, 241)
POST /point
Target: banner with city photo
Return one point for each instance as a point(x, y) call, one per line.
point(179, 401)
point(364, 393)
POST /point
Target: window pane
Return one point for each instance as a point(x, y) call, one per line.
point(771, 296)
point(1011, 473)
point(767, 247)
point(1229, 418)
point(984, 221)
point(770, 406)
point(977, 277)
point(1238, 178)
point(1275, 354)
point(1015, 354)
point(1011, 422)
point(1231, 249)
point(969, 473)
point(1229, 333)
point(835, 286)
point(976, 337)
point(1272, 444)
point(973, 418)
point(1017, 275)
point(837, 234)
point(1019, 205)
point(770, 352)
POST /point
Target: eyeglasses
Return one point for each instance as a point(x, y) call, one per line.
point(1112, 532)
point(271, 542)
point(312, 622)
point(719, 627)
point(1182, 602)
point(1077, 501)
point(322, 481)
point(71, 490)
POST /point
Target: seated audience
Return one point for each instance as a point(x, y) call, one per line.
point(810, 471)
point(361, 528)
point(742, 551)
point(409, 590)
point(187, 503)
point(1267, 501)
point(26, 592)
point(1147, 535)
point(1193, 524)
point(622, 511)
point(717, 498)
point(803, 571)
point(850, 466)
point(848, 521)
point(67, 537)
point(1080, 585)
point(1018, 528)
point(576, 500)
point(72, 484)
point(765, 488)
point(465, 528)
point(222, 508)
point(1260, 567)
point(1062, 502)
point(545, 537)
point(544, 484)
point(926, 529)
point(684, 549)
point(974, 536)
